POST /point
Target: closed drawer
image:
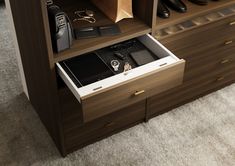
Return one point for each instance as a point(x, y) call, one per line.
point(211, 55)
point(201, 38)
point(218, 50)
point(190, 90)
point(78, 136)
point(210, 63)
point(216, 58)
point(112, 93)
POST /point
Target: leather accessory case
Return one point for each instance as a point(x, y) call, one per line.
point(89, 32)
point(142, 57)
point(60, 27)
point(86, 32)
point(88, 68)
point(109, 30)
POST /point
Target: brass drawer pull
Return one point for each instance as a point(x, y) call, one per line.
point(110, 124)
point(225, 61)
point(228, 42)
point(139, 92)
point(220, 79)
point(232, 23)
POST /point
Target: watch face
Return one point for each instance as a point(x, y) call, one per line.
point(115, 64)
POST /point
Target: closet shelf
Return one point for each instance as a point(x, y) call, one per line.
point(192, 12)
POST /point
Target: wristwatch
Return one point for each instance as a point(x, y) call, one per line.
point(115, 64)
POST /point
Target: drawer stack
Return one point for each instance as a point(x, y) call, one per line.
point(105, 106)
point(209, 51)
point(78, 134)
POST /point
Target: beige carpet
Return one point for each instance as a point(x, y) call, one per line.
point(201, 133)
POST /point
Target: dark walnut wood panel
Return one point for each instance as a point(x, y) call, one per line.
point(80, 135)
point(144, 10)
point(210, 62)
point(192, 12)
point(215, 34)
point(130, 28)
point(70, 108)
point(32, 35)
point(189, 91)
point(214, 53)
point(109, 100)
point(188, 99)
point(204, 61)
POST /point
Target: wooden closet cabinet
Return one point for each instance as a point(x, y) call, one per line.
point(193, 61)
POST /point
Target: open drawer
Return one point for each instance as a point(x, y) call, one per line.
point(120, 90)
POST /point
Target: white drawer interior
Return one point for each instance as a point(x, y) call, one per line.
point(165, 58)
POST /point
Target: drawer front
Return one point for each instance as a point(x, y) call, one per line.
point(133, 91)
point(216, 58)
point(202, 38)
point(190, 90)
point(211, 55)
point(77, 135)
point(208, 64)
point(113, 93)
point(218, 50)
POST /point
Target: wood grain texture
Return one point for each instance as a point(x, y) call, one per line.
point(210, 64)
point(122, 95)
point(193, 97)
point(193, 11)
point(80, 135)
point(214, 63)
point(189, 91)
point(202, 38)
point(35, 55)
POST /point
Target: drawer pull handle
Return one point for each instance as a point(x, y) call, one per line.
point(109, 124)
point(220, 79)
point(100, 87)
point(225, 61)
point(163, 64)
point(232, 23)
point(139, 92)
point(228, 42)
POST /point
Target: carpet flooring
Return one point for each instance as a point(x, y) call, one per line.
point(201, 133)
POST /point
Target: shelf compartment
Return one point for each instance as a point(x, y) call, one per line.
point(194, 22)
point(192, 12)
point(130, 28)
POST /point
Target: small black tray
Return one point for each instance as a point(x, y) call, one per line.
point(86, 69)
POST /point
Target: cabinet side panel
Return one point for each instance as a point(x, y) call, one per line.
point(35, 51)
point(146, 10)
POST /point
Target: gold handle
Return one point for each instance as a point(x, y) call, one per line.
point(225, 61)
point(232, 23)
point(109, 124)
point(228, 42)
point(137, 93)
point(220, 79)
